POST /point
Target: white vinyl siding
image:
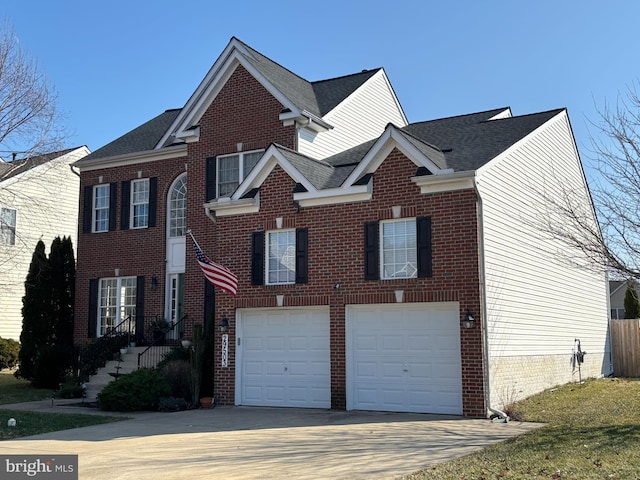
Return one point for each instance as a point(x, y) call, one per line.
point(361, 117)
point(537, 303)
point(54, 213)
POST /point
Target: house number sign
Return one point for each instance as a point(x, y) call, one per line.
point(225, 350)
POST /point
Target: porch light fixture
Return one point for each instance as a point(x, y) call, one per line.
point(468, 319)
point(154, 282)
point(224, 324)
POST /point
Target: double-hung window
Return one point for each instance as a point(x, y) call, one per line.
point(281, 257)
point(117, 301)
point(395, 249)
point(140, 203)
point(233, 169)
point(7, 226)
point(100, 208)
point(398, 249)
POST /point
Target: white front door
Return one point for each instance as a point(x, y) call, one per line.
point(404, 358)
point(283, 358)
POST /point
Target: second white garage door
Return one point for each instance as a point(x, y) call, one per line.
point(404, 358)
point(283, 358)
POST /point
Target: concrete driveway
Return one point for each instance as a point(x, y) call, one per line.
point(263, 443)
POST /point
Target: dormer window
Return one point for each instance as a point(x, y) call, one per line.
point(233, 169)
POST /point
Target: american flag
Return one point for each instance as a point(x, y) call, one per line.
point(217, 274)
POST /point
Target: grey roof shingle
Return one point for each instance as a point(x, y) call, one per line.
point(318, 97)
point(18, 166)
point(459, 143)
point(142, 138)
point(470, 141)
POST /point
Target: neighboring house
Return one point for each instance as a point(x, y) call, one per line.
point(362, 243)
point(617, 292)
point(38, 201)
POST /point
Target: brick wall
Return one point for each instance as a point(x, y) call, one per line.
point(336, 238)
point(244, 112)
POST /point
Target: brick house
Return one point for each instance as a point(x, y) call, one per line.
point(382, 265)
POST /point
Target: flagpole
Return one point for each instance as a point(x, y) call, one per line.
point(194, 239)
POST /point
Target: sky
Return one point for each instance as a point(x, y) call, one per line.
point(116, 64)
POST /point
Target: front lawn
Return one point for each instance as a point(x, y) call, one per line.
point(13, 390)
point(592, 432)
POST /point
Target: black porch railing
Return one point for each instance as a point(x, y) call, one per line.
point(153, 355)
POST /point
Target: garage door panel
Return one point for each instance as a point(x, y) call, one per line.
point(404, 358)
point(284, 358)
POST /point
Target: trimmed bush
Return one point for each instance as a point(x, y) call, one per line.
point(140, 390)
point(9, 353)
point(178, 376)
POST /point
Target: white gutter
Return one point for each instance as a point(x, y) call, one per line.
point(483, 296)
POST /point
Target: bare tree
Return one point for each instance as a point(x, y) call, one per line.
point(613, 242)
point(31, 127)
point(29, 120)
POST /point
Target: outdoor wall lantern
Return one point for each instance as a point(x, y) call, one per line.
point(224, 325)
point(468, 319)
point(154, 282)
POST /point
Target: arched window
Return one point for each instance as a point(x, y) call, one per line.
point(178, 207)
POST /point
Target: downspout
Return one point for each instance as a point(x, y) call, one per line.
point(73, 171)
point(497, 415)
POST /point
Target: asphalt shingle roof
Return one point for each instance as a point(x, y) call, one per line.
point(18, 166)
point(145, 137)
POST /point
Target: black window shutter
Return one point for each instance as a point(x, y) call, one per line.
point(209, 302)
point(153, 200)
point(211, 179)
point(125, 205)
point(423, 233)
point(257, 258)
point(371, 268)
point(302, 257)
point(113, 201)
point(87, 209)
point(139, 307)
point(92, 326)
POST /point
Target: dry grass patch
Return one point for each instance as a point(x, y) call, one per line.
point(592, 432)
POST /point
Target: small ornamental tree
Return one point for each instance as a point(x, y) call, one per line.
point(47, 315)
point(631, 304)
point(36, 310)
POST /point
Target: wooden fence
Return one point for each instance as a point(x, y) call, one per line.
point(625, 344)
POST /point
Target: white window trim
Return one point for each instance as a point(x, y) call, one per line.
point(170, 209)
point(241, 173)
point(94, 208)
point(381, 248)
point(10, 227)
point(266, 254)
point(133, 205)
point(118, 306)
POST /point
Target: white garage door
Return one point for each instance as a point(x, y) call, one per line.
point(283, 358)
point(404, 358)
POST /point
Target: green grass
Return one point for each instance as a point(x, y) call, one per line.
point(13, 390)
point(35, 423)
point(592, 432)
